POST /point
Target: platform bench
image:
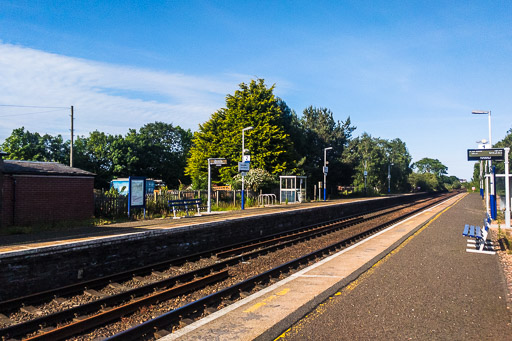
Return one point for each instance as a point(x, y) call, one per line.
point(184, 205)
point(480, 244)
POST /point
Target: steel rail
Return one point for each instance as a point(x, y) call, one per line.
point(102, 318)
point(302, 234)
point(68, 314)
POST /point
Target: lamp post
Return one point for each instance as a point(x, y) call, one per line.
point(389, 177)
point(488, 113)
point(243, 154)
point(325, 170)
point(365, 173)
point(491, 204)
point(482, 144)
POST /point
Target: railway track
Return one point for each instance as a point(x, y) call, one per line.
point(68, 322)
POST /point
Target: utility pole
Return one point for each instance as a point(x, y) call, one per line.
point(71, 145)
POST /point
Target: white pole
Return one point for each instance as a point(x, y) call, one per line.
point(507, 190)
point(243, 177)
point(491, 177)
point(487, 198)
point(209, 187)
point(325, 175)
point(490, 140)
point(481, 179)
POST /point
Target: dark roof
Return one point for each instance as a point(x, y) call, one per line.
point(42, 168)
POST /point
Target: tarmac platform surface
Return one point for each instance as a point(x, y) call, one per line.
point(412, 281)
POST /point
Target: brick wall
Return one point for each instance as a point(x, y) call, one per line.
point(41, 199)
point(6, 201)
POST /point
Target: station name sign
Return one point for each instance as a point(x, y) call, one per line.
point(218, 161)
point(486, 154)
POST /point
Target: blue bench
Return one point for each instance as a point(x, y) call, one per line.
point(180, 205)
point(472, 231)
point(479, 234)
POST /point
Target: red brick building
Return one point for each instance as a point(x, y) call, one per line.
point(43, 192)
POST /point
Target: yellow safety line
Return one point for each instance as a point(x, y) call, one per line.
point(321, 307)
point(258, 305)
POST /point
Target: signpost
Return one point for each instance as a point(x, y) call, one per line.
point(217, 162)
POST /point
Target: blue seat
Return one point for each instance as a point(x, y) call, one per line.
point(473, 231)
point(466, 230)
point(480, 236)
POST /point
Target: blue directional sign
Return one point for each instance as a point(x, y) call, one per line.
point(244, 166)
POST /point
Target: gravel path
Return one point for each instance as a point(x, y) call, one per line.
point(431, 289)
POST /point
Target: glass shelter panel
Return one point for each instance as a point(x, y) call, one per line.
point(292, 189)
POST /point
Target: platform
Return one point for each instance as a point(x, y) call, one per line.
point(76, 236)
point(266, 314)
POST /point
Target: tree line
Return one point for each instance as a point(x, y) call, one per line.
point(279, 143)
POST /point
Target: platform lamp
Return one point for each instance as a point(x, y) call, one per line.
point(492, 198)
point(325, 170)
point(389, 176)
point(243, 154)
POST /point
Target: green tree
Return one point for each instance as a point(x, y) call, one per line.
point(376, 157)
point(157, 150)
point(399, 163)
point(24, 145)
point(434, 169)
point(319, 131)
point(365, 155)
point(97, 154)
point(424, 182)
point(428, 165)
point(270, 146)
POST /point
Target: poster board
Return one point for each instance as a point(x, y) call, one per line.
point(136, 193)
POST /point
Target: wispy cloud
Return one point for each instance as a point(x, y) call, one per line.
point(106, 97)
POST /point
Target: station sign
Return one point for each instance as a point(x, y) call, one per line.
point(218, 161)
point(244, 166)
point(486, 154)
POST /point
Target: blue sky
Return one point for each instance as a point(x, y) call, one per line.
point(408, 69)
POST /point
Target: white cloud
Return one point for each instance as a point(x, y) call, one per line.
point(106, 97)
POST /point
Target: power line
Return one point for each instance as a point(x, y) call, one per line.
point(33, 113)
point(31, 106)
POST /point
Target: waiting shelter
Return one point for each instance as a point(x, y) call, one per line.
point(292, 188)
